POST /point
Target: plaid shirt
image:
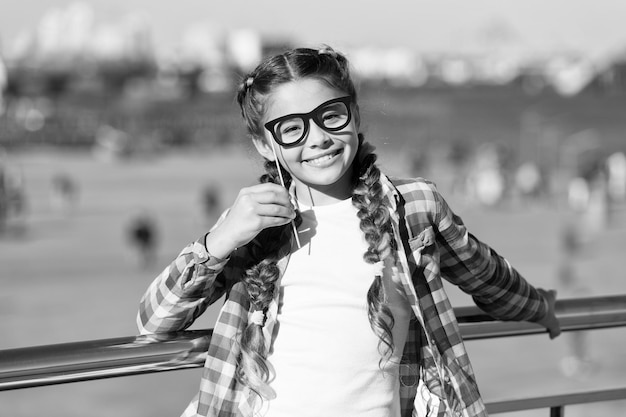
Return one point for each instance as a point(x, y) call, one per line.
point(436, 376)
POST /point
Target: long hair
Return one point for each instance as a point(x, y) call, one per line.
point(260, 282)
point(375, 223)
point(333, 69)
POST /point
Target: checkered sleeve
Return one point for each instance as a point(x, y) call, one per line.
point(476, 268)
point(182, 291)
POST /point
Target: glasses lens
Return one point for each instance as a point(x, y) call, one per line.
point(290, 130)
point(334, 116)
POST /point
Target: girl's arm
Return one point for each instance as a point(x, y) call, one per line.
point(496, 287)
point(182, 291)
point(196, 278)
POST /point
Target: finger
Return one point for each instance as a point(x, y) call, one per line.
point(555, 331)
point(264, 222)
point(275, 210)
point(280, 197)
point(251, 202)
point(276, 221)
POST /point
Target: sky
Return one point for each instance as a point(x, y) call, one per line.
point(589, 26)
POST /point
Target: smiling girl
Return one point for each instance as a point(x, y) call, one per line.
point(332, 271)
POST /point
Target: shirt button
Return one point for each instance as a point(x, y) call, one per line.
point(202, 257)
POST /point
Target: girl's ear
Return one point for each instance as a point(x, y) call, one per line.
point(261, 145)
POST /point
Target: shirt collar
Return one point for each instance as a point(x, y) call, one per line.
point(391, 193)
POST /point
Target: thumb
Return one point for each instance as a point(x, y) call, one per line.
point(549, 321)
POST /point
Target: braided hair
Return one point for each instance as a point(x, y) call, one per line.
point(260, 279)
point(260, 283)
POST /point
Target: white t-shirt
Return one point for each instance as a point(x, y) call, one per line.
point(326, 356)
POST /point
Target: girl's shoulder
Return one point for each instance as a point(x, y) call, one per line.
point(416, 189)
point(417, 204)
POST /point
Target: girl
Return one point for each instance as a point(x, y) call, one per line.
point(332, 271)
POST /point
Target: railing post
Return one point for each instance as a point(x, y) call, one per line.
point(557, 411)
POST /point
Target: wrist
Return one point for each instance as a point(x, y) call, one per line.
point(218, 246)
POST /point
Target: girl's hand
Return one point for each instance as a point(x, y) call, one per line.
point(549, 321)
point(255, 208)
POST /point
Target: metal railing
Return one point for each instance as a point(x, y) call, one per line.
point(81, 361)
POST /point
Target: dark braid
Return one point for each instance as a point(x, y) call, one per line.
point(375, 224)
point(260, 282)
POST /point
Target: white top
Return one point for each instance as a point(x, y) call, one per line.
point(326, 356)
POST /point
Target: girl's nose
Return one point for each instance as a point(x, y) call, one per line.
point(317, 136)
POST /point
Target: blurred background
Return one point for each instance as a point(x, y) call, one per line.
point(120, 142)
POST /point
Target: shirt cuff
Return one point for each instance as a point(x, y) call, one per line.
point(202, 256)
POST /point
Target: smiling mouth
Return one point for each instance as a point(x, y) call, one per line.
point(322, 159)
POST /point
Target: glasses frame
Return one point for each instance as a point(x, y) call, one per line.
point(312, 115)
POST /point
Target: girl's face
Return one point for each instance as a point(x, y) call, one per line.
point(321, 164)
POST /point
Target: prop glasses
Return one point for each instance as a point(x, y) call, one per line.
point(331, 116)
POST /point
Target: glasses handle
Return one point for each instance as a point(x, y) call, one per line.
point(282, 181)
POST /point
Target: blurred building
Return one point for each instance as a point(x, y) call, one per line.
point(244, 48)
point(73, 32)
point(74, 40)
point(397, 66)
point(164, 95)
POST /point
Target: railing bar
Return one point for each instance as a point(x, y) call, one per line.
point(94, 375)
point(560, 400)
point(474, 331)
point(564, 308)
point(97, 353)
point(88, 365)
point(575, 305)
point(88, 360)
point(479, 333)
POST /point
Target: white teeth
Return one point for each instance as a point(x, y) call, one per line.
point(320, 160)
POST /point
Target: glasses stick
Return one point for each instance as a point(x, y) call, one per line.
point(282, 181)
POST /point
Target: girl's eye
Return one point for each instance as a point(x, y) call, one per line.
point(290, 128)
point(334, 118)
point(330, 115)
